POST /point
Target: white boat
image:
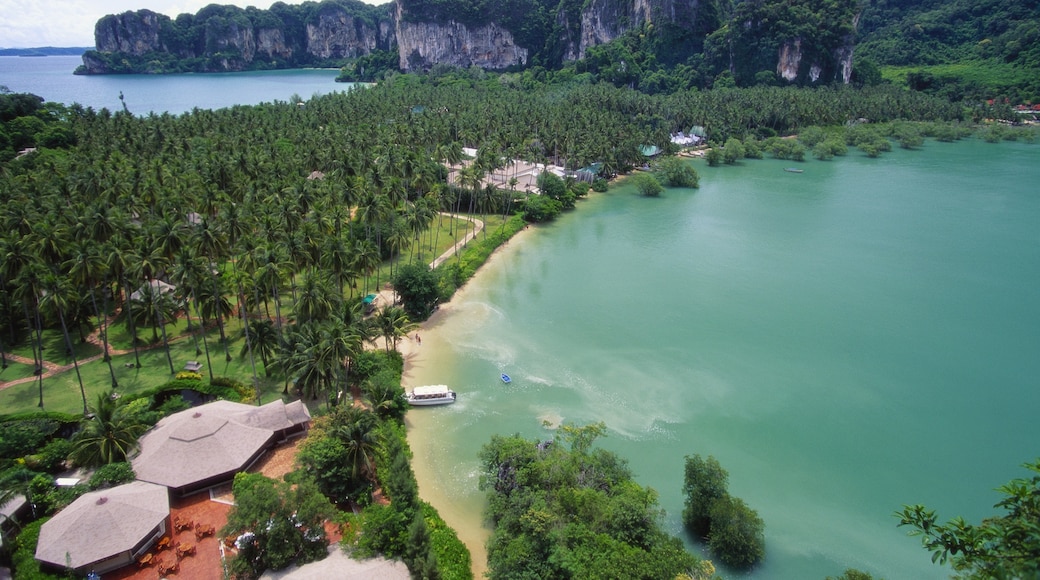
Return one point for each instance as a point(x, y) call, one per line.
point(431, 395)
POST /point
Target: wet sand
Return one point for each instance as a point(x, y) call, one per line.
point(421, 362)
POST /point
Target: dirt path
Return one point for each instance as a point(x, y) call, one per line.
point(51, 368)
point(461, 244)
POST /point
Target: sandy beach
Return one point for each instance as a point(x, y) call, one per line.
point(420, 364)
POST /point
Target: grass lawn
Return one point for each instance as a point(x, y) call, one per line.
point(62, 392)
point(15, 371)
point(54, 347)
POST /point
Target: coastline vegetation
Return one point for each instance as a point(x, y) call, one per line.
point(565, 509)
point(270, 224)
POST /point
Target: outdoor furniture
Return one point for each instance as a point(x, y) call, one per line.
point(185, 549)
point(166, 569)
point(181, 524)
point(202, 531)
point(163, 543)
point(145, 561)
point(193, 366)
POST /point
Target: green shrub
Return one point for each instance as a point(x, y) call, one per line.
point(453, 558)
point(736, 538)
point(51, 458)
point(22, 437)
point(111, 475)
point(647, 185)
point(23, 560)
point(541, 208)
point(678, 173)
point(599, 185)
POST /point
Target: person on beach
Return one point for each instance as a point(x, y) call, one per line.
point(417, 339)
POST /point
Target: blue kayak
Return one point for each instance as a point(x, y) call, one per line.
point(506, 379)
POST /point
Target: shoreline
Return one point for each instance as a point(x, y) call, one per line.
point(418, 360)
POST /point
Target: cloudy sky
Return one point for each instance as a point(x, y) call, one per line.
point(31, 23)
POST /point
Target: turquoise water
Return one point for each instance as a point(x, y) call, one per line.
point(51, 78)
point(845, 341)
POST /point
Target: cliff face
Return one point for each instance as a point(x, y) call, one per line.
point(605, 20)
point(424, 44)
point(336, 34)
point(834, 66)
point(227, 38)
point(134, 33)
point(235, 44)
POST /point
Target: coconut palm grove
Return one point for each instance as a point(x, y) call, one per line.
point(280, 252)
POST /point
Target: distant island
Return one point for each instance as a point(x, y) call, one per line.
point(46, 51)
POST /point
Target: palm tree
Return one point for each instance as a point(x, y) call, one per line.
point(56, 297)
point(355, 428)
point(393, 323)
point(154, 305)
point(263, 340)
point(106, 437)
point(27, 289)
point(317, 300)
point(84, 267)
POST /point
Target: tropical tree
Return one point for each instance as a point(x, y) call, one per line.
point(1003, 546)
point(85, 268)
point(263, 339)
point(384, 395)
point(278, 524)
point(57, 297)
point(355, 428)
point(393, 324)
point(647, 185)
point(106, 436)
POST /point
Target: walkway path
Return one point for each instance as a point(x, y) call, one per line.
point(51, 369)
point(479, 225)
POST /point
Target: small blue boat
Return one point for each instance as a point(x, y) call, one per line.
point(506, 379)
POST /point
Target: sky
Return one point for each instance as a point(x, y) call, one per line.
point(33, 23)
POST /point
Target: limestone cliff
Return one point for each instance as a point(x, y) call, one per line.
point(334, 33)
point(226, 38)
point(133, 33)
point(605, 20)
point(835, 66)
point(424, 44)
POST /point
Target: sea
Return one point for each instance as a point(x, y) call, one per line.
point(51, 78)
point(845, 340)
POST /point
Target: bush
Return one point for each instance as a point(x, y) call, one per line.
point(678, 173)
point(705, 481)
point(733, 151)
point(111, 475)
point(599, 185)
point(22, 437)
point(647, 185)
point(453, 558)
point(23, 560)
point(540, 208)
point(812, 136)
point(736, 536)
point(52, 457)
point(733, 530)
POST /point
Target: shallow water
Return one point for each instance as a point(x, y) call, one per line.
point(845, 341)
point(51, 78)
